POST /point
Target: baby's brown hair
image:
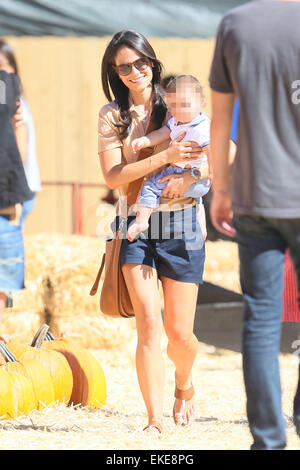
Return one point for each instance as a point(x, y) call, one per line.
point(183, 80)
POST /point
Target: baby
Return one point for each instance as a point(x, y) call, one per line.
point(184, 99)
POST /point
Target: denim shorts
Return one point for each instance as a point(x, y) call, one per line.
point(11, 256)
point(27, 208)
point(173, 245)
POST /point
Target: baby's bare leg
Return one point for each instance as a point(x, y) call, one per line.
point(141, 222)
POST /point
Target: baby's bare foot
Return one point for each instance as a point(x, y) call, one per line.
point(135, 229)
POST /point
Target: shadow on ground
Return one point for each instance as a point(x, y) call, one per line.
point(219, 317)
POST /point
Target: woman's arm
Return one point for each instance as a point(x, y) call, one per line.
point(18, 119)
point(116, 173)
point(232, 152)
point(21, 133)
point(178, 184)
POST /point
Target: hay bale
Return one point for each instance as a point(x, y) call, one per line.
point(66, 290)
point(30, 298)
point(99, 332)
point(20, 326)
point(66, 272)
point(69, 266)
point(60, 271)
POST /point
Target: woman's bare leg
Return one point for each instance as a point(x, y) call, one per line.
point(179, 313)
point(143, 289)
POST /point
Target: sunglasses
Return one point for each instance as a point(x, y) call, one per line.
point(139, 64)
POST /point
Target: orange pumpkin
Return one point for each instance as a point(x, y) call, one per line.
point(89, 386)
point(37, 375)
point(7, 408)
point(56, 364)
point(22, 388)
point(23, 393)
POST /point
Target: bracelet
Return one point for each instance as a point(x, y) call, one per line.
point(150, 160)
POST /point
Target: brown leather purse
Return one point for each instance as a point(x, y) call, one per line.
point(114, 299)
point(13, 212)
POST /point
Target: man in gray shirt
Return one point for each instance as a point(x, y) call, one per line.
point(257, 60)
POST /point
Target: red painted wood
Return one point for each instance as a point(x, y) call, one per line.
point(290, 310)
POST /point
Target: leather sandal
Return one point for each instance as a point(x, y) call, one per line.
point(184, 395)
point(154, 425)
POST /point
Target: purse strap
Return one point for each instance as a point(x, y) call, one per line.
point(11, 210)
point(132, 193)
point(135, 186)
point(94, 289)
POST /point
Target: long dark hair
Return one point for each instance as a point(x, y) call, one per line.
point(8, 52)
point(136, 41)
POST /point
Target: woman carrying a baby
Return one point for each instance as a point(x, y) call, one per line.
point(164, 238)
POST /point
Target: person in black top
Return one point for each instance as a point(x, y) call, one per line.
point(13, 184)
point(13, 191)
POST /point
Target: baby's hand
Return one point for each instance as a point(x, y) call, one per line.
point(138, 144)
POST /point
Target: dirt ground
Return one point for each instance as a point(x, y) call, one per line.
point(220, 422)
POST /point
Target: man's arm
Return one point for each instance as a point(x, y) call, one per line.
point(222, 110)
point(220, 133)
point(21, 133)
